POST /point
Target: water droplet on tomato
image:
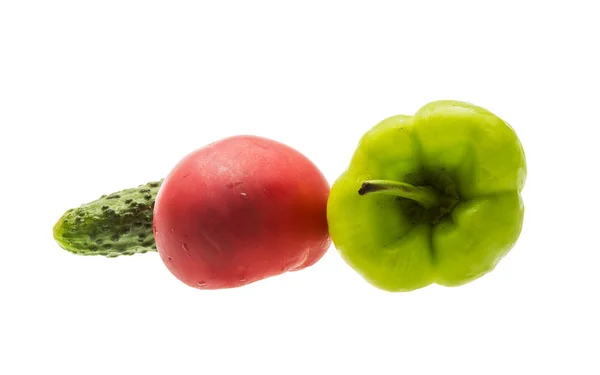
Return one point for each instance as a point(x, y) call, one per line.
point(243, 195)
point(201, 283)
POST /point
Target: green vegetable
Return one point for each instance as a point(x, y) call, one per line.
point(113, 225)
point(432, 198)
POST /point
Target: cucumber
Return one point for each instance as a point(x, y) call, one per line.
point(116, 224)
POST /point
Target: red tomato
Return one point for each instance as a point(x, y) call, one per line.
point(240, 210)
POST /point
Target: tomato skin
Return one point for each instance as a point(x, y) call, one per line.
point(240, 210)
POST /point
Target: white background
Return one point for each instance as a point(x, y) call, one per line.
point(96, 96)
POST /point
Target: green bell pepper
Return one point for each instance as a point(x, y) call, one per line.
point(430, 199)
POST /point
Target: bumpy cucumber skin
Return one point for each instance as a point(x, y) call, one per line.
point(113, 225)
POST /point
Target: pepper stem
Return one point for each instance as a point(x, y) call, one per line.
point(426, 196)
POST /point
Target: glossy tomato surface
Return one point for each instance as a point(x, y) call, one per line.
point(240, 210)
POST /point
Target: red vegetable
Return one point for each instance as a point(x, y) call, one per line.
point(240, 210)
